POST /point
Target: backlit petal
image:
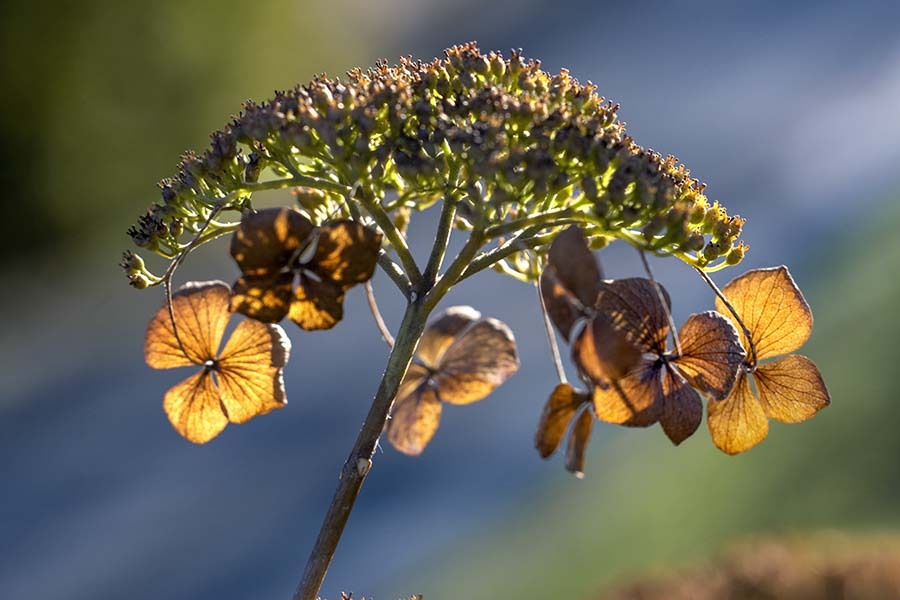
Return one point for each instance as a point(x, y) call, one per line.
point(791, 389)
point(603, 352)
point(201, 314)
point(267, 239)
point(414, 420)
point(738, 422)
point(194, 409)
point(772, 307)
point(682, 410)
point(264, 298)
point(316, 304)
point(578, 441)
point(558, 411)
point(481, 358)
point(632, 400)
point(346, 252)
point(711, 353)
point(441, 332)
point(634, 307)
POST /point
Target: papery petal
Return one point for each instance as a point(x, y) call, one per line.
point(414, 419)
point(201, 314)
point(682, 410)
point(578, 441)
point(711, 354)
point(738, 422)
point(249, 370)
point(558, 411)
point(442, 331)
point(264, 298)
point(316, 304)
point(791, 389)
point(194, 409)
point(572, 262)
point(772, 307)
point(631, 401)
point(267, 239)
point(481, 358)
point(563, 311)
point(634, 307)
point(346, 252)
point(603, 352)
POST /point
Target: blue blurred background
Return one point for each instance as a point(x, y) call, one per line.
point(787, 110)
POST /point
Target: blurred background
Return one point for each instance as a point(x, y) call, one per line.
point(787, 110)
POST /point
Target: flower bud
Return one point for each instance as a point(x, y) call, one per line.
point(736, 254)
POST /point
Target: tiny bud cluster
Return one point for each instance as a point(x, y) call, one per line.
point(495, 134)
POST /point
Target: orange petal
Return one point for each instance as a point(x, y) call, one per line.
point(603, 352)
point(316, 304)
point(249, 371)
point(481, 358)
point(201, 314)
point(560, 305)
point(711, 354)
point(634, 307)
point(194, 409)
point(346, 252)
point(574, 266)
point(414, 419)
point(264, 298)
point(558, 411)
point(630, 401)
point(791, 389)
point(441, 332)
point(772, 307)
point(578, 440)
point(682, 410)
point(267, 240)
point(738, 422)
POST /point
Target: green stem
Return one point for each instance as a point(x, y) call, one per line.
point(394, 237)
point(544, 219)
point(442, 237)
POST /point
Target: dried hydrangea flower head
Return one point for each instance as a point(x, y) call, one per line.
point(242, 381)
point(277, 247)
point(788, 388)
point(461, 359)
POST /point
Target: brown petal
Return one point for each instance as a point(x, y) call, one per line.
point(634, 307)
point(267, 239)
point(317, 304)
point(414, 419)
point(559, 304)
point(711, 353)
point(558, 411)
point(578, 440)
point(772, 307)
point(441, 332)
point(682, 410)
point(631, 401)
point(791, 389)
point(346, 252)
point(603, 352)
point(264, 298)
point(574, 265)
point(249, 370)
point(201, 314)
point(194, 409)
point(738, 422)
point(481, 358)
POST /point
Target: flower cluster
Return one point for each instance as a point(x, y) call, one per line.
point(497, 135)
point(619, 331)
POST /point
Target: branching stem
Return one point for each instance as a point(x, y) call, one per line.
point(376, 314)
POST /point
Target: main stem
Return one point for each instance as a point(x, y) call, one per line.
point(360, 460)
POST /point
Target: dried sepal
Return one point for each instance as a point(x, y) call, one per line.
point(570, 280)
point(791, 389)
point(682, 410)
point(603, 352)
point(558, 412)
point(467, 358)
point(578, 440)
point(772, 307)
point(631, 401)
point(248, 371)
point(711, 354)
point(275, 248)
point(738, 422)
point(634, 307)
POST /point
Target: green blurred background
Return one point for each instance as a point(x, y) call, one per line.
point(787, 111)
